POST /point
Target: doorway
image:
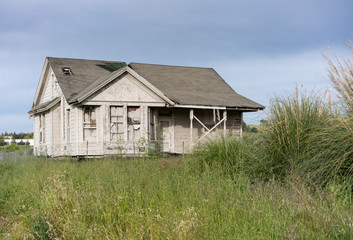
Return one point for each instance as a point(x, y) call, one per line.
point(165, 134)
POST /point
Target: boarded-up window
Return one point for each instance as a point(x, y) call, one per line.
point(133, 123)
point(116, 123)
point(89, 124)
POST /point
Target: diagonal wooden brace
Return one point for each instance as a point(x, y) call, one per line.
point(201, 123)
point(211, 129)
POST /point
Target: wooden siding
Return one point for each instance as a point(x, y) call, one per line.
point(49, 91)
point(73, 132)
point(125, 89)
point(182, 129)
point(36, 135)
point(182, 126)
point(56, 130)
point(234, 123)
point(51, 88)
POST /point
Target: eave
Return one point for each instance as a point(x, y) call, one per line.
point(44, 106)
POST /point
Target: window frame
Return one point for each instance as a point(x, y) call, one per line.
point(91, 124)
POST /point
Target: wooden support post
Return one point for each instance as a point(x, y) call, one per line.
point(191, 126)
point(225, 122)
point(155, 124)
point(125, 126)
point(241, 124)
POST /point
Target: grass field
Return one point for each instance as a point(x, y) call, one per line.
point(161, 199)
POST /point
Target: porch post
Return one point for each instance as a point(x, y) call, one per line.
point(241, 124)
point(225, 122)
point(191, 126)
point(125, 122)
point(156, 127)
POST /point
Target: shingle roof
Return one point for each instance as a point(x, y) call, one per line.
point(183, 85)
point(45, 106)
point(85, 72)
point(193, 85)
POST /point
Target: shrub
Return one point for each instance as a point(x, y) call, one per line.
point(11, 148)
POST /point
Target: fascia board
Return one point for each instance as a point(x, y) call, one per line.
point(117, 74)
point(41, 80)
point(101, 85)
point(45, 108)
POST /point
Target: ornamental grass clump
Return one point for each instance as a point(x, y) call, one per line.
point(292, 121)
point(331, 147)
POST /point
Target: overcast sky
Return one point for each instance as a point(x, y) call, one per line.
point(261, 48)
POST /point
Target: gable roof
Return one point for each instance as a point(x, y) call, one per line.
point(182, 85)
point(85, 72)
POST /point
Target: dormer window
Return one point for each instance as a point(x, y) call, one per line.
point(67, 71)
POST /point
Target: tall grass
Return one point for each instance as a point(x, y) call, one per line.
point(340, 72)
point(158, 199)
point(292, 121)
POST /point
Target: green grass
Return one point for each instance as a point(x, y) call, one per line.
point(160, 199)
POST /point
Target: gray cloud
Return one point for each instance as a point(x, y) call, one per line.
point(269, 42)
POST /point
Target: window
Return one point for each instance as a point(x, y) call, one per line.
point(67, 71)
point(133, 123)
point(116, 123)
point(89, 124)
point(132, 119)
point(68, 133)
point(42, 128)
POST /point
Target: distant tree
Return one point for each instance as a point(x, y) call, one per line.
point(28, 136)
point(254, 130)
point(20, 135)
point(2, 141)
point(263, 122)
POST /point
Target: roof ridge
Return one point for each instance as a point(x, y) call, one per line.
point(166, 65)
point(84, 59)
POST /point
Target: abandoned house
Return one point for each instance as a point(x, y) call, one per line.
point(95, 108)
